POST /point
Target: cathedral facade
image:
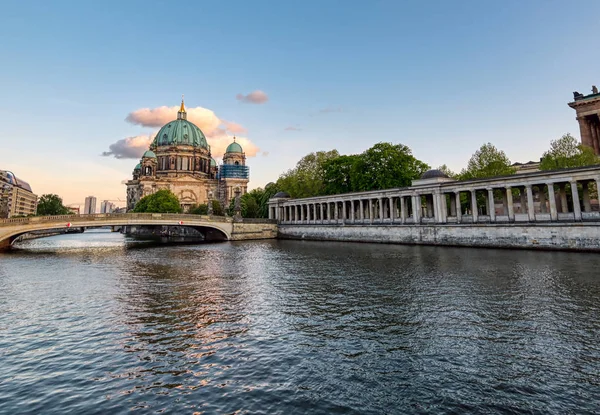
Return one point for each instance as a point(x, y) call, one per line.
point(179, 159)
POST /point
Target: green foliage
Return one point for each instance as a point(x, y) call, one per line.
point(488, 161)
point(199, 210)
point(307, 178)
point(50, 204)
point(566, 152)
point(254, 204)
point(217, 208)
point(385, 166)
point(338, 174)
point(163, 201)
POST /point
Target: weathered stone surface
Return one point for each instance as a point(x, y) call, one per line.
point(581, 236)
point(248, 231)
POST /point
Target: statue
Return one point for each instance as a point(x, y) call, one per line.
point(594, 89)
point(210, 203)
point(577, 95)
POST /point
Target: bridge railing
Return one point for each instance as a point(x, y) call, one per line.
point(100, 217)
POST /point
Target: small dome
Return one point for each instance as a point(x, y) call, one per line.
point(234, 148)
point(138, 167)
point(281, 195)
point(213, 163)
point(433, 174)
point(149, 154)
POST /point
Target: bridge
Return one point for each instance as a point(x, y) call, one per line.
point(216, 227)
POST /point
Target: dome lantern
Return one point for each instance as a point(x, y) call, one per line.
point(181, 114)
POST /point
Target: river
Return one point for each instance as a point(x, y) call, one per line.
point(96, 323)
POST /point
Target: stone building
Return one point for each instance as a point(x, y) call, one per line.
point(587, 108)
point(179, 159)
point(16, 196)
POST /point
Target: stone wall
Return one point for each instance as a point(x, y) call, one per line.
point(578, 237)
point(247, 231)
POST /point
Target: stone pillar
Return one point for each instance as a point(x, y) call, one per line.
point(321, 212)
point(371, 210)
point(509, 203)
point(392, 208)
point(543, 208)
point(491, 205)
point(552, 197)
point(344, 210)
point(416, 209)
point(380, 202)
point(564, 206)
point(586, 132)
point(352, 210)
point(587, 207)
point(361, 210)
point(474, 213)
point(594, 134)
point(402, 209)
point(335, 211)
point(530, 205)
point(576, 203)
point(301, 213)
point(452, 204)
point(523, 199)
point(458, 207)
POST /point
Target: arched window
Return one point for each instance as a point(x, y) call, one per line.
point(237, 163)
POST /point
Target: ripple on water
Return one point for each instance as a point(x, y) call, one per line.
point(96, 323)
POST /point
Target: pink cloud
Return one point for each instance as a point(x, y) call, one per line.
point(234, 127)
point(292, 128)
point(130, 147)
point(254, 97)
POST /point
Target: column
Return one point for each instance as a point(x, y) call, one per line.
point(380, 202)
point(530, 205)
point(543, 208)
point(586, 133)
point(523, 199)
point(335, 211)
point(562, 191)
point(361, 210)
point(594, 138)
point(436, 208)
point(458, 210)
point(371, 210)
point(491, 205)
point(452, 204)
point(511, 207)
point(301, 213)
point(344, 211)
point(416, 207)
point(321, 211)
point(587, 207)
point(474, 213)
point(392, 209)
point(576, 203)
point(552, 197)
point(402, 209)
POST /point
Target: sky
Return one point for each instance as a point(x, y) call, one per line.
point(85, 85)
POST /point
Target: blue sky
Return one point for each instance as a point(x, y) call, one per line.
point(441, 77)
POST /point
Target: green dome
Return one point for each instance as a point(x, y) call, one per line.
point(213, 163)
point(149, 154)
point(138, 167)
point(234, 148)
point(180, 132)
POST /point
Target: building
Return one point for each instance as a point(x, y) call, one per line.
point(107, 207)
point(179, 159)
point(16, 196)
point(75, 210)
point(587, 108)
point(529, 167)
point(90, 205)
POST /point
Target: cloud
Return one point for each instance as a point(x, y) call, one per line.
point(265, 153)
point(292, 128)
point(330, 109)
point(130, 147)
point(254, 97)
point(219, 132)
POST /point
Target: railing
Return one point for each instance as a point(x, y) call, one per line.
point(105, 217)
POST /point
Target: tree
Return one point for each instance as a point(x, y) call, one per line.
point(384, 166)
point(337, 174)
point(254, 204)
point(217, 208)
point(163, 201)
point(446, 170)
point(566, 152)
point(199, 210)
point(488, 161)
point(50, 204)
point(306, 179)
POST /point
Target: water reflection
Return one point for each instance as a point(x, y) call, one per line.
point(106, 325)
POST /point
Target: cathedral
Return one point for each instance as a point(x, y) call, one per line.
point(179, 160)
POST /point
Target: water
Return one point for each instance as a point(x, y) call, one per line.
point(94, 323)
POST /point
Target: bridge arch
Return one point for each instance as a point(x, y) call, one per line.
point(11, 229)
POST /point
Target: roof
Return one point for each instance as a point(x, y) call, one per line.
point(234, 148)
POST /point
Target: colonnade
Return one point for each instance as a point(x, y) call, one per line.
point(554, 197)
